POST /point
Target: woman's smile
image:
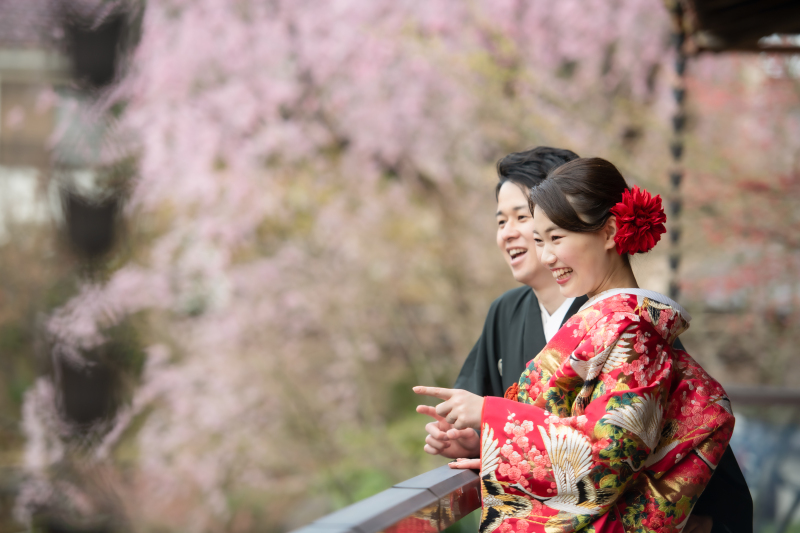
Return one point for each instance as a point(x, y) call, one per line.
point(562, 275)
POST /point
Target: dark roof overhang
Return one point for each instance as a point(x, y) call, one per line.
point(740, 25)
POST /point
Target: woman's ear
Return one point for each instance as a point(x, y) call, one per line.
point(609, 232)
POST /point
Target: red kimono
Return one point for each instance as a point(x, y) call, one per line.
point(610, 428)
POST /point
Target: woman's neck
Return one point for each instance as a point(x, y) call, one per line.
point(619, 277)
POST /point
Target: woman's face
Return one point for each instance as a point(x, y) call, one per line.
point(581, 263)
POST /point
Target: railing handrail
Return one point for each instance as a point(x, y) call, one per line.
point(760, 395)
point(429, 502)
point(437, 499)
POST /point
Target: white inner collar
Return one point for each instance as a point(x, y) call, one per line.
point(657, 296)
point(552, 323)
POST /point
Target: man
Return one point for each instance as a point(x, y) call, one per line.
point(523, 320)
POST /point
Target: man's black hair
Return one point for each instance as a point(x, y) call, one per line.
point(529, 168)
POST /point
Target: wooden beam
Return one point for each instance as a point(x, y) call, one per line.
point(754, 47)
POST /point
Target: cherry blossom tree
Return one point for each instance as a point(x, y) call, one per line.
point(742, 261)
point(310, 233)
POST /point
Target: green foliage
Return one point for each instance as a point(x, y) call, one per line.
point(559, 401)
point(599, 390)
point(356, 483)
point(634, 513)
point(621, 400)
point(581, 521)
point(18, 371)
point(352, 207)
point(684, 506)
point(123, 347)
point(621, 446)
point(468, 524)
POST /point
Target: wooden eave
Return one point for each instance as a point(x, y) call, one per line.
point(739, 25)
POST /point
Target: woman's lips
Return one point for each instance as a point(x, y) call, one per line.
point(562, 275)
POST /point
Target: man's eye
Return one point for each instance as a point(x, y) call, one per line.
point(522, 217)
point(501, 222)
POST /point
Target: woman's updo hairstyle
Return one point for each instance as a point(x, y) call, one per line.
point(578, 196)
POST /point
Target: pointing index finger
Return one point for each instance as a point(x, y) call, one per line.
point(435, 392)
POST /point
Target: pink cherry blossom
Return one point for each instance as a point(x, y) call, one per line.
point(507, 450)
point(307, 208)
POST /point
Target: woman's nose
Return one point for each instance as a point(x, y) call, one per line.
point(548, 257)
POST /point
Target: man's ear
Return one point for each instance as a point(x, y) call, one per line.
point(609, 232)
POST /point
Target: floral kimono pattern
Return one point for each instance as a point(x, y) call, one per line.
point(609, 429)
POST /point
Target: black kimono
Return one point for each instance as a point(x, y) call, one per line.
point(513, 334)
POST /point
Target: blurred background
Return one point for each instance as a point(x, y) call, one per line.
point(233, 234)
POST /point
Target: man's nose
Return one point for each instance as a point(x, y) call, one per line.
point(510, 231)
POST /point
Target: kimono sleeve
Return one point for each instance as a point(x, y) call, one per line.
point(496, 361)
point(582, 463)
point(480, 373)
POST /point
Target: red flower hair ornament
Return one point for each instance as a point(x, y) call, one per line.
point(640, 221)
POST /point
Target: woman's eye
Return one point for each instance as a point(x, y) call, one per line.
point(537, 241)
point(556, 237)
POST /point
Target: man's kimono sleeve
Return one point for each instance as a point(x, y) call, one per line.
point(497, 359)
point(480, 374)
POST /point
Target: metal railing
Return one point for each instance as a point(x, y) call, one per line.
point(427, 503)
point(772, 452)
point(745, 395)
point(438, 499)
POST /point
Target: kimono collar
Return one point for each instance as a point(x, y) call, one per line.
point(652, 295)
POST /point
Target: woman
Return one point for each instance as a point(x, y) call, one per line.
point(610, 428)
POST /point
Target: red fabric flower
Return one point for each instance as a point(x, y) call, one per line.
point(640, 221)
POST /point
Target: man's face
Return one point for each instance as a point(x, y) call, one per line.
point(515, 236)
